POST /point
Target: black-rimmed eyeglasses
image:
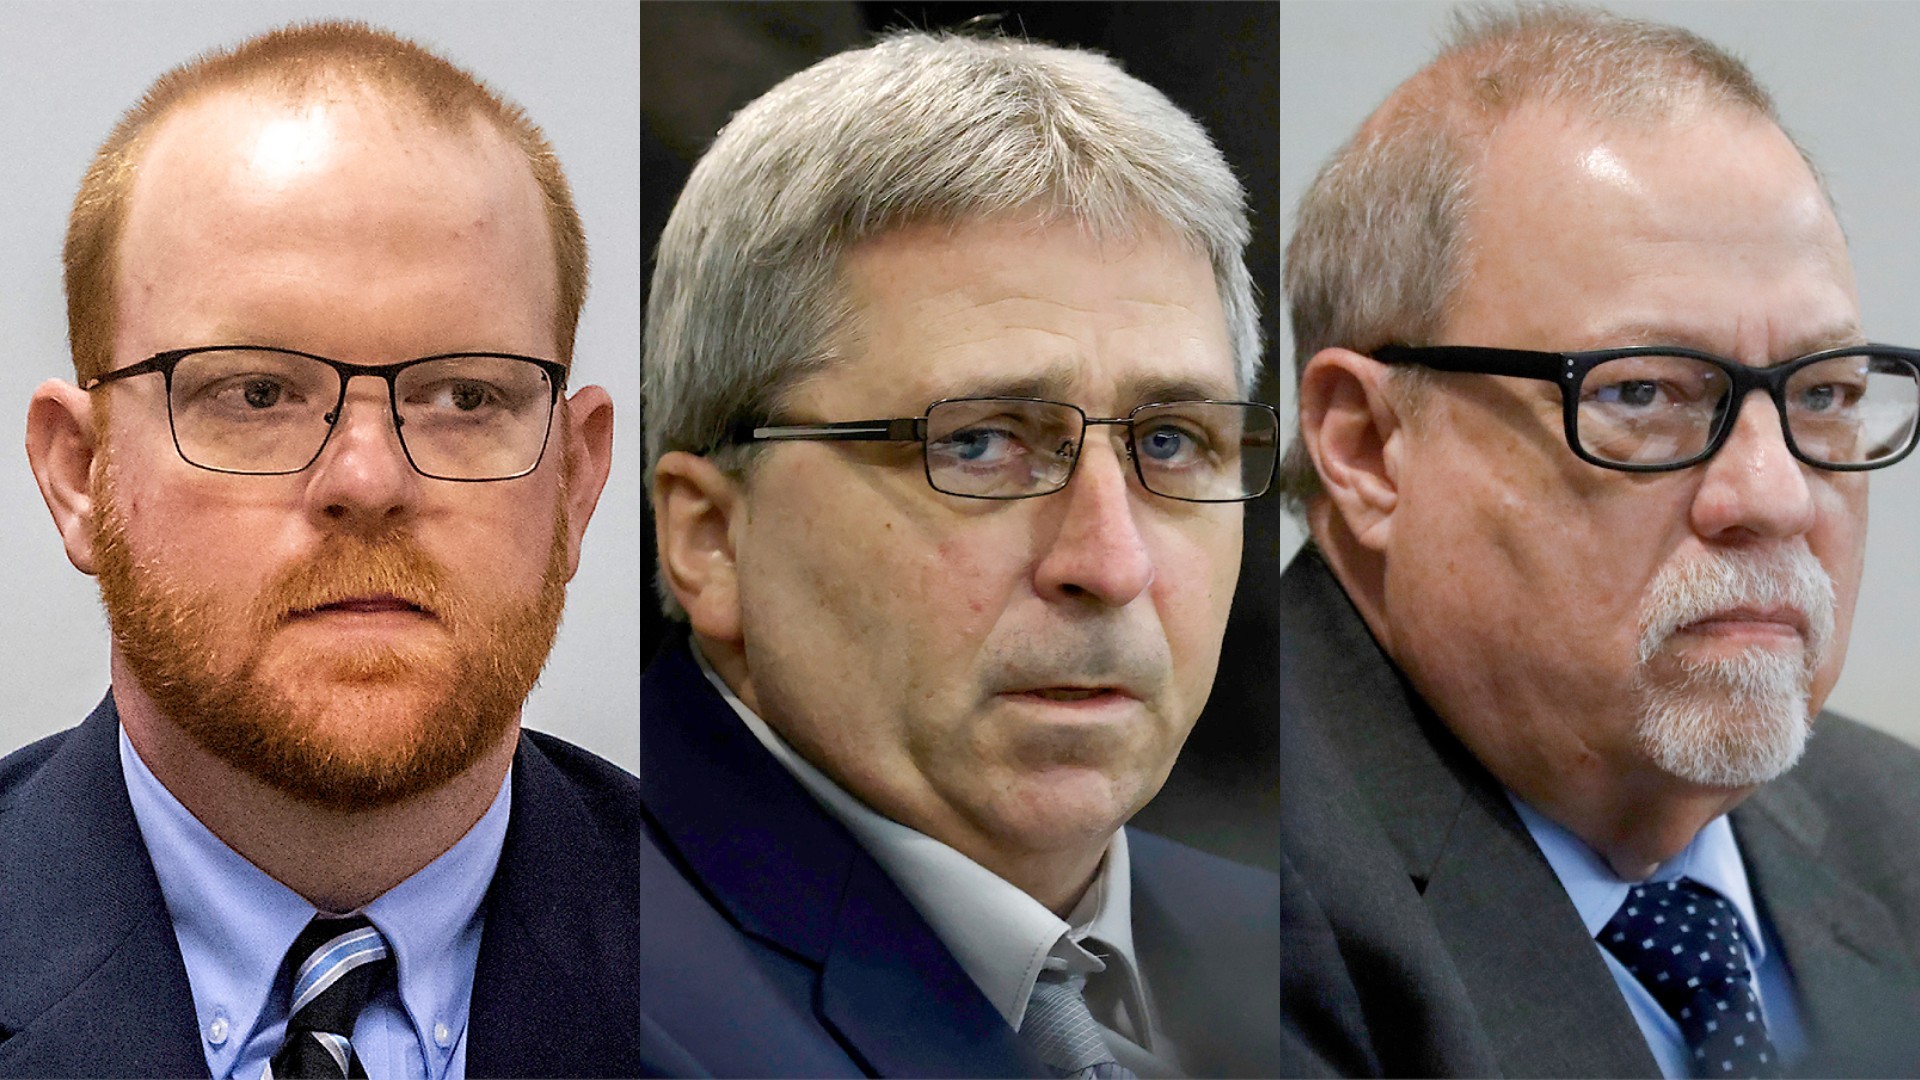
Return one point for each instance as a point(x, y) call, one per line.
point(1018, 448)
point(261, 411)
point(1654, 408)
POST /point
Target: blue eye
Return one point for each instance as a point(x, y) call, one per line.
point(975, 444)
point(1167, 444)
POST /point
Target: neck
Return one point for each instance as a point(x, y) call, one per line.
point(1055, 878)
point(298, 844)
point(1634, 823)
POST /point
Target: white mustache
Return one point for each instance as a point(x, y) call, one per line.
point(1785, 576)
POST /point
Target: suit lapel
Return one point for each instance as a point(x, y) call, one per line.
point(1854, 987)
point(1538, 982)
point(787, 872)
point(556, 950)
point(94, 982)
point(1541, 992)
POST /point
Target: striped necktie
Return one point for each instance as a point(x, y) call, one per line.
point(1062, 1030)
point(342, 963)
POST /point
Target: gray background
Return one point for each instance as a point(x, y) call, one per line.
point(1844, 77)
point(70, 69)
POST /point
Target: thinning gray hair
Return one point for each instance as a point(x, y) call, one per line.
point(1380, 249)
point(747, 298)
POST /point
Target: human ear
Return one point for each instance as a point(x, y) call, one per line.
point(589, 449)
point(1352, 424)
point(694, 504)
point(61, 450)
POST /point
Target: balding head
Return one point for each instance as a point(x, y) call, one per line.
point(313, 64)
point(1380, 249)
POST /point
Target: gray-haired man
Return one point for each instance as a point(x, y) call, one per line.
point(1586, 408)
point(946, 359)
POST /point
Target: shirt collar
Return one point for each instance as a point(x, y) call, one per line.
point(1001, 937)
point(235, 923)
point(1712, 859)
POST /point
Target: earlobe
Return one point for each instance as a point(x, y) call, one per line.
point(694, 504)
point(1353, 429)
point(61, 450)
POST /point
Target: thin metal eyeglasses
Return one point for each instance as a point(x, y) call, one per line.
point(1655, 408)
point(258, 411)
point(1020, 448)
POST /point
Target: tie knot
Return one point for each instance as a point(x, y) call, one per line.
point(338, 965)
point(1682, 934)
point(1062, 1030)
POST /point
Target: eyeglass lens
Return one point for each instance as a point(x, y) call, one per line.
point(1656, 410)
point(461, 418)
point(1009, 448)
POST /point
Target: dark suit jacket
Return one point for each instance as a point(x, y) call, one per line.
point(1467, 956)
point(774, 945)
point(91, 980)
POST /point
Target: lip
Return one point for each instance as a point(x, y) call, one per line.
point(1073, 697)
point(373, 605)
point(1751, 621)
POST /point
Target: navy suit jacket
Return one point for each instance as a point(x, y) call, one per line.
point(91, 979)
point(773, 944)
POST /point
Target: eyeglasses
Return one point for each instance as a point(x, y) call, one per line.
point(1018, 448)
point(260, 411)
point(1655, 408)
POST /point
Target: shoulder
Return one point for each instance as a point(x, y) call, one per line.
point(610, 792)
point(1849, 764)
point(1166, 865)
point(1853, 800)
point(19, 769)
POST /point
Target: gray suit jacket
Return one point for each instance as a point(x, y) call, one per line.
point(1462, 954)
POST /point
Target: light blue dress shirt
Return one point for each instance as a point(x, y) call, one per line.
point(235, 925)
point(1713, 860)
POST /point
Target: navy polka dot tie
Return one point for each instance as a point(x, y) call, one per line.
point(1683, 942)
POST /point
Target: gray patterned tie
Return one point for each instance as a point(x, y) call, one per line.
point(342, 962)
point(1062, 1030)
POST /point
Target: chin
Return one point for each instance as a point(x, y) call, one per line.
point(1067, 807)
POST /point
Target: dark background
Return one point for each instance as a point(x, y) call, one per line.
point(702, 61)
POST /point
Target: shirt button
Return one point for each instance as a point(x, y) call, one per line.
point(217, 1029)
point(442, 1034)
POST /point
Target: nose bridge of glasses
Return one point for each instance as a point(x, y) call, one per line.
point(379, 394)
point(376, 406)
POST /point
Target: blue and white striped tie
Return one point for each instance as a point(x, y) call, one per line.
point(343, 963)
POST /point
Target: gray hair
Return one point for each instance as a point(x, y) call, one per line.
point(747, 298)
point(1379, 253)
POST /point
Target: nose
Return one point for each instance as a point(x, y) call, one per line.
point(1097, 551)
point(1754, 488)
point(363, 481)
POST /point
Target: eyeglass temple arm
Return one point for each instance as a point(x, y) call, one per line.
point(1475, 360)
point(907, 429)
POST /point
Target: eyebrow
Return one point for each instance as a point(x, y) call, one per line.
point(1056, 383)
point(1657, 334)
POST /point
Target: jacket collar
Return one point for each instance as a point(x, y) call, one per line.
point(558, 952)
point(785, 871)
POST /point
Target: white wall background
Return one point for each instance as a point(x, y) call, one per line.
point(1845, 78)
point(68, 70)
